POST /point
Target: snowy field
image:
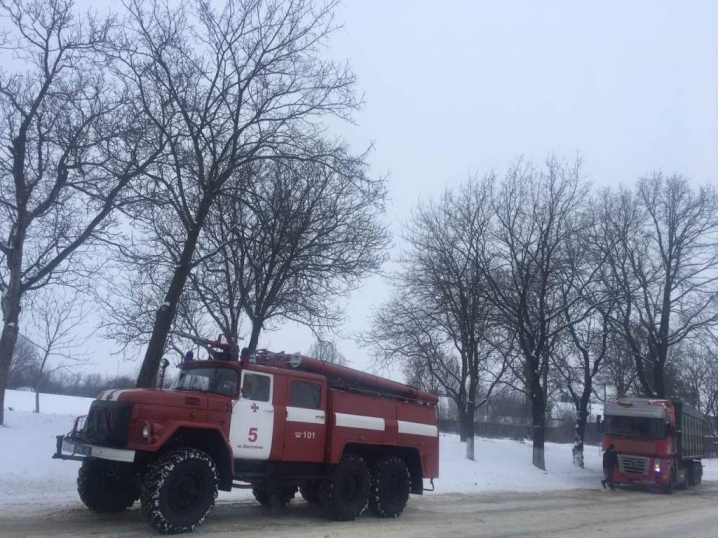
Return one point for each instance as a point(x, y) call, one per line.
point(31, 481)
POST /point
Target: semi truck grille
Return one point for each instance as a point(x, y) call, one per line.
point(633, 464)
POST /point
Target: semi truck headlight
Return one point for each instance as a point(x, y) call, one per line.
point(657, 465)
point(146, 431)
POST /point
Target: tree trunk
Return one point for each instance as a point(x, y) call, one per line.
point(256, 330)
point(4, 369)
point(539, 440)
point(641, 374)
point(461, 408)
point(582, 413)
point(37, 400)
point(579, 435)
point(538, 418)
point(11, 315)
point(164, 318)
point(462, 424)
point(659, 378)
point(469, 431)
point(160, 330)
point(470, 417)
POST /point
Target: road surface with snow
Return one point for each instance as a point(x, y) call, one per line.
point(584, 513)
point(500, 494)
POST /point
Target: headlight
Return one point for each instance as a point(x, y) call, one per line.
point(657, 465)
point(146, 431)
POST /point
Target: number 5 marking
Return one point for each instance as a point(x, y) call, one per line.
point(252, 435)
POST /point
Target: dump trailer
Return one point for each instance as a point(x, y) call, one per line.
point(275, 423)
point(659, 442)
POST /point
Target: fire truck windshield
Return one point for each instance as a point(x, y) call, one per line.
point(641, 427)
point(218, 380)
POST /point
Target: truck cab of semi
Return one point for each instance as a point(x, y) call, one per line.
point(659, 442)
point(273, 423)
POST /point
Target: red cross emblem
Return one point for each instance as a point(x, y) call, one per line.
point(254, 408)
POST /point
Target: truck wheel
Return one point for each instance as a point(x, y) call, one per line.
point(310, 493)
point(275, 499)
point(390, 487)
point(105, 486)
point(345, 495)
point(179, 490)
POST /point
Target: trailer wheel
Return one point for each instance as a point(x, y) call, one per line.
point(390, 487)
point(274, 499)
point(345, 495)
point(310, 493)
point(105, 486)
point(179, 490)
point(694, 473)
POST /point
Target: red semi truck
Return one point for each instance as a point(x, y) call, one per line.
point(659, 443)
point(275, 423)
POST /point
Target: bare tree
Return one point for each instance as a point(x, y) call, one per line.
point(578, 362)
point(229, 87)
point(327, 351)
point(71, 142)
point(438, 321)
point(130, 296)
point(619, 369)
point(525, 266)
point(661, 244)
point(283, 248)
point(580, 354)
point(24, 364)
point(694, 366)
point(57, 316)
point(402, 334)
point(288, 246)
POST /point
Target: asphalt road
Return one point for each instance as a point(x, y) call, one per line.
point(580, 513)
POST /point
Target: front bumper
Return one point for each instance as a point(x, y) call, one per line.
point(69, 449)
point(652, 480)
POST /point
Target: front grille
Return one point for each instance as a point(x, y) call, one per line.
point(107, 424)
point(633, 464)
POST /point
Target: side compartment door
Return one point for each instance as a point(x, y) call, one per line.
point(252, 425)
point(305, 429)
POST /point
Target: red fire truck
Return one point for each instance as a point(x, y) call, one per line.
point(275, 423)
point(659, 443)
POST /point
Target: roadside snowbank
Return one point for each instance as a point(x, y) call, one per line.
point(50, 404)
point(31, 481)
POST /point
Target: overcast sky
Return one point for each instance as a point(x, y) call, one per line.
point(455, 88)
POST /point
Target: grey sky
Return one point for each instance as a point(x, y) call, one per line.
point(454, 88)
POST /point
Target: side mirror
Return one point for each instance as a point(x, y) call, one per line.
point(164, 363)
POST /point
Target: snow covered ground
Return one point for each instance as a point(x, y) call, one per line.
point(31, 481)
point(50, 404)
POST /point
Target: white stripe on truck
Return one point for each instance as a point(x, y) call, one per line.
point(116, 395)
point(360, 421)
point(301, 414)
point(416, 428)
